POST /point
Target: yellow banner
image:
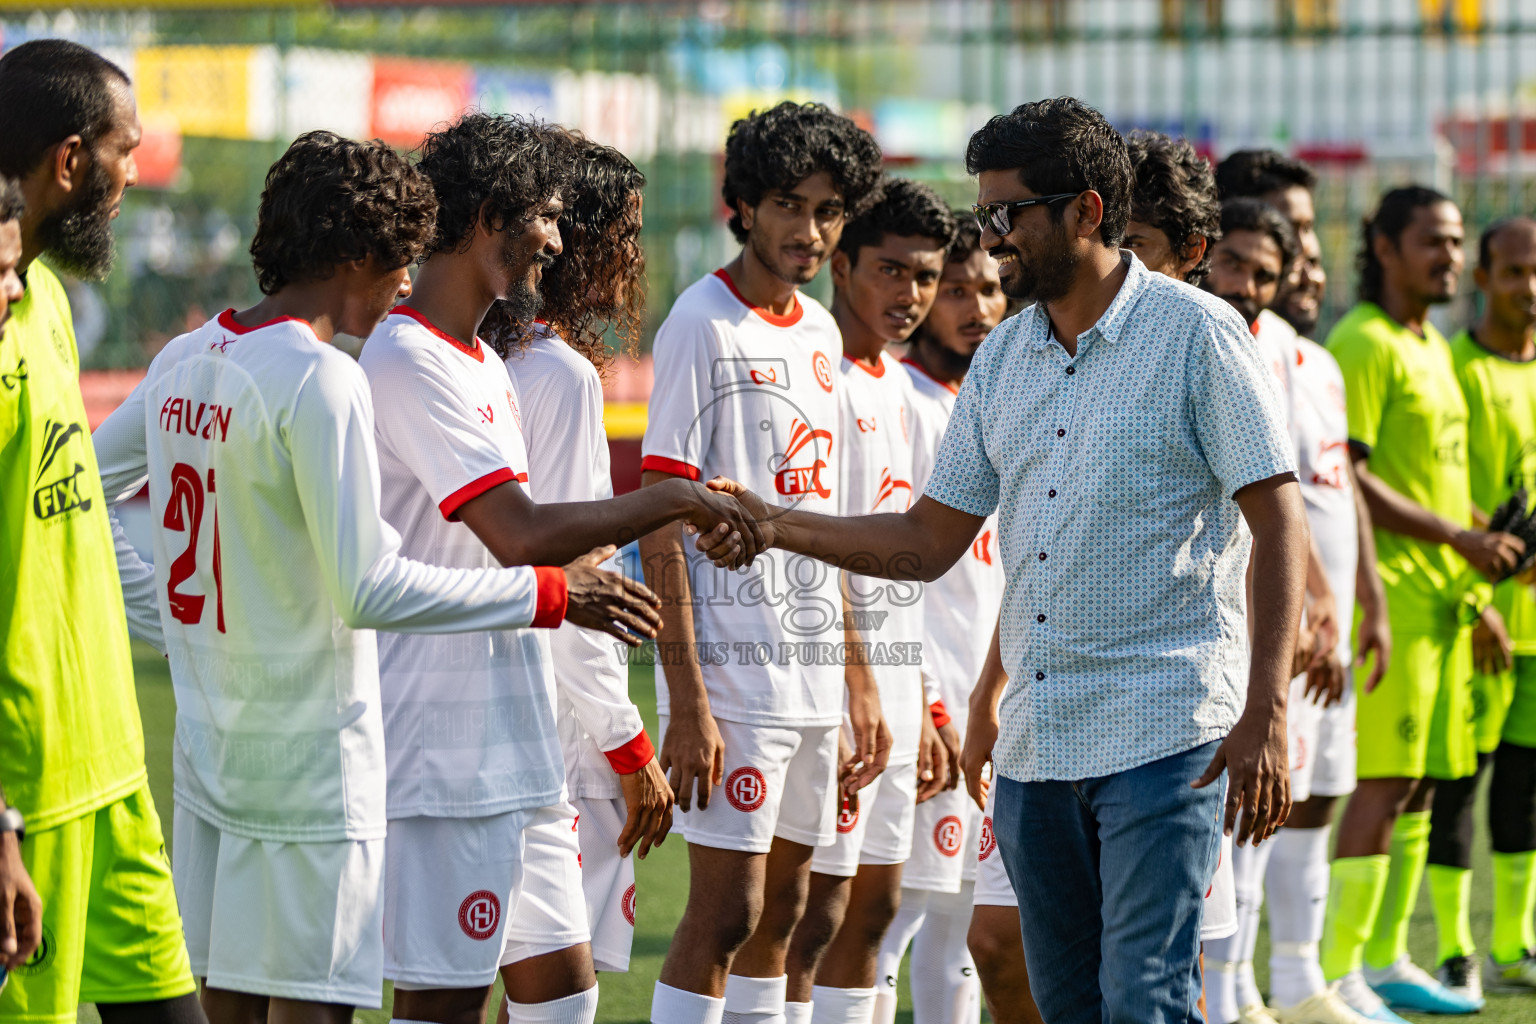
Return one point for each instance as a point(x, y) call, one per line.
point(203, 90)
point(76, 5)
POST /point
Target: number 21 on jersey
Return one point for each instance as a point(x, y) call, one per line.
point(184, 514)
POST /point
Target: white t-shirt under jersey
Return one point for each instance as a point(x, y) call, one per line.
point(877, 477)
point(959, 608)
point(1313, 390)
point(744, 393)
point(469, 722)
point(273, 566)
point(561, 396)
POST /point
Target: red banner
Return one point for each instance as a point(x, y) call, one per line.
point(410, 98)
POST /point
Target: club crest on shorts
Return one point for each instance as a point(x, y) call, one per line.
point(627, 905)
point(745, 789)
point(947, 835)
point(479, 914)
point(847, 817)
point(988, 839)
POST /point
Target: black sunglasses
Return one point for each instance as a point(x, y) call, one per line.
point(997, 216)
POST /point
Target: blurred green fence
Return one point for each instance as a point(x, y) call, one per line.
point(1373, 92)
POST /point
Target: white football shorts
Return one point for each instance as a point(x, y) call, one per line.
point(879, 830)
point(779, 781)
point(1333, 764)
point(450, 885)
point(551, 909)
point(993, 888)
point(292, 920)
point(944, 836)
point(607, 880)
point(1303, 720)
point(1220, 917)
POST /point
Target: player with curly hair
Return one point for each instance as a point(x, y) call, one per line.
point(596, 283)
point(454, 467)
point(256, 436)
point(1175, 215)
point(746, 387)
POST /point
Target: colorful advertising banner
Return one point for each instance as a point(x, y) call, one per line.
point(410, 97)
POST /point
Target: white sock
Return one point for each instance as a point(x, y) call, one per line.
point(754, 1000)
point(945, 989)
point(1220, 984)
point(1298, 902)
point(842, 1005)
point(797, 1013)
point(678, 1006)
point(914, 908)
point(580, 1008)
point(1248, 866)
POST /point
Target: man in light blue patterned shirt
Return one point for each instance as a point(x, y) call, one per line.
point(1133, 445)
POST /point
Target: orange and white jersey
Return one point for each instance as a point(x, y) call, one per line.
point(959, 608)
point(561, 397)
point(744, 393)
point(272, 567)
point(468, 720)
point(877, 467)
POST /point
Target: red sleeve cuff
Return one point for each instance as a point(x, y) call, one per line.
point(940, 715)
point(450, 505)
point(632, 756)
point(549, 611)
point(662, 464)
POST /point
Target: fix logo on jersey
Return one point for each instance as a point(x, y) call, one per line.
point(479, 914)
point(222, 346)
point(821, 369)
point(1451, 444)
point(745, 789)
point(794, 481)
point(627, 905)
point(1336, 475)
point(13, 379)
point(897, 492)
point(866, 426)
point(981, 547)
point(63, 494)
point(988, 839)
point(847, 816)
point(732, 372)
point(948, 835)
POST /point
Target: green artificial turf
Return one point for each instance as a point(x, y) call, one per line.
point(663, 880)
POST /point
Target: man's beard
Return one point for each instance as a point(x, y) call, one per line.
point(791, 275)
point(524, 300)
point(78, 239)
point(1246, 308)
point(1303, 320)
point(1044, 275)
point(954, 364)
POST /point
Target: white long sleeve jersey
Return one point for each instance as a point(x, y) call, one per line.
point(272, 568)
point(469, 721)
point(959, 608)
point(561, 397)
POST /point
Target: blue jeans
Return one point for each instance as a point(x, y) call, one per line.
point(1111, 875)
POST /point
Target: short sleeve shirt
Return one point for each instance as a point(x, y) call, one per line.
point(1113, 473)
point(1407, 410)
point(1501, 428)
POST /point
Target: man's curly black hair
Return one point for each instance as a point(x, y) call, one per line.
point(967, 237)
point(1245, 213)
point(905, 208)
point(776, 149)
point(503, 164)
point(12, 203)
point(1059, 145)
point(330, 200)
point(598, 280)
point(1258, 172)
point(1175, 192)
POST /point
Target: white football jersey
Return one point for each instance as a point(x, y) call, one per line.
point(743, 393)
point(469, 722)
point(959, 608)
point(1313, 392)
point(273, 566)
point(877, 472)
point(561, 396)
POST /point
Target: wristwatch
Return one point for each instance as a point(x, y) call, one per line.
point(12, 821)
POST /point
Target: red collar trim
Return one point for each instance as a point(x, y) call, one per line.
point(947, 385)
point(1253, 328)
point(787, 320)
point(878, 371)
point(227, 321)
point(475, 352)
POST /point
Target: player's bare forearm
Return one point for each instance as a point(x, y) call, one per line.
point(1394, 512)
point(921, 543)
point(1368, 589)
point(519, 531)
point(666, 572)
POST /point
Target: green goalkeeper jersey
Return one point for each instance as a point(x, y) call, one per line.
point(70, 737)
point(1501, 429)
point(1405, 406)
